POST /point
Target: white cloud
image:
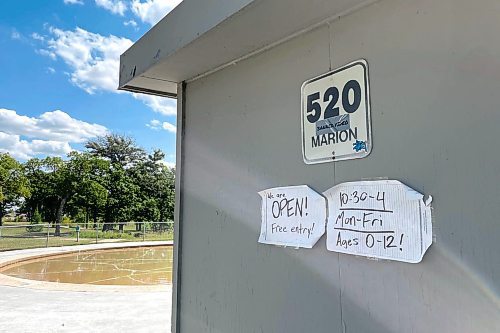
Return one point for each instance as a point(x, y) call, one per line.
point(148, 11)
point(170, 156)
point(94, 61)
point(154, 124)
point(23, 149)
point(51, 134)
point(162, 105)
point(130, 23)
point(114, 6)
point(157, 125)
point(168, 164)
point(37, 36)
point(56, 125)
point(51, 70)
point(47, 53)
point(15, 34)
point(152, 11)
point(169, 127)
point(73, 2)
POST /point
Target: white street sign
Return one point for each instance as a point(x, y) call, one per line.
point(336, 115)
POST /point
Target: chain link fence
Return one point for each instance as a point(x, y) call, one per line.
point(16, 236)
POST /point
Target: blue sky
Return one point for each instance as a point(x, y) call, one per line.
point(60, 61)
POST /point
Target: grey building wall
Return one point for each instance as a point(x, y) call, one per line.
point(435, 100)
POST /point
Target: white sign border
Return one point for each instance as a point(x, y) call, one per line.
point(354, 155)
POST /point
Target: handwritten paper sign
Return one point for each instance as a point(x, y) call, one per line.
point(292, 216)
point(380, 219)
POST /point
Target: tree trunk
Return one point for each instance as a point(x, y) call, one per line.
point(95, 217)
point(1, 214)
point(86, 217)
point(162, 226)
point(107, 219)
point(162, 214)
point(59, 216)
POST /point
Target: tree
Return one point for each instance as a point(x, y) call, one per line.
point(122, 198)
point(79, 175)
point(118, 149)
point(55, 181)
point(123, 154)
point(156, 183)
point(13, 184)
point(90, 193)
point(114, 180)
point(89, 201)
point(35, 220)
point(42, 189)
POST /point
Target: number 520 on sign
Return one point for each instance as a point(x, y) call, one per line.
point(336, 115)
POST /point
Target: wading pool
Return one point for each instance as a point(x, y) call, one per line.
point(128, 266)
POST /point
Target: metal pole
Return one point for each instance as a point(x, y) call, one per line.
point(48, 232)
point(143, 231)
point(96, 231)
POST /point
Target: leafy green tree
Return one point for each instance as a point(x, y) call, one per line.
point(122, 198)
point(13, 184)
point(156, 184)
point(96, 196)
point(64, 180)
point(80, 175)
point(115, 180)
point(118, 149)
point(35, 220)
point(55, 181)
point(89, 194)
point(42, 189)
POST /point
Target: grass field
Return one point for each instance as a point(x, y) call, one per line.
point(14, 236)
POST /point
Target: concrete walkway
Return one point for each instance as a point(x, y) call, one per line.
point(37, 308)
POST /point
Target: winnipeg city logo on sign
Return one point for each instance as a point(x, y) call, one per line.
point(336, 115)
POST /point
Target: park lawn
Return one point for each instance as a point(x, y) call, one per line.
point(7, 244)
point(20, 238)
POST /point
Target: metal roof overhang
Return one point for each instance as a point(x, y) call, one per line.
point(202, 36)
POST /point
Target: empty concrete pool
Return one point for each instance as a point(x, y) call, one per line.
point(80, 288)
point(128, 266)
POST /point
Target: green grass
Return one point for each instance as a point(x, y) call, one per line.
point(20, 238)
